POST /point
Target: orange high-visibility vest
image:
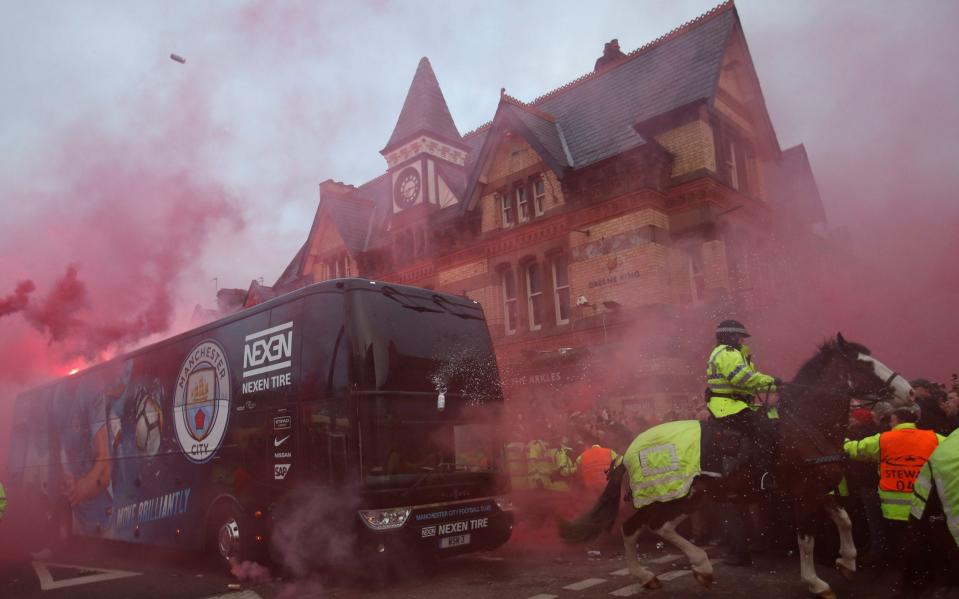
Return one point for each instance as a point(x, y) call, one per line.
point(902, 453)
point(593, 464)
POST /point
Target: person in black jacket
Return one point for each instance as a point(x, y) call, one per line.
point(939, 411)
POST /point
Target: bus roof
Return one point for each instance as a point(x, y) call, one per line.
point(332, 285)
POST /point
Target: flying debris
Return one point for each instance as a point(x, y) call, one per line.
point(178, 58)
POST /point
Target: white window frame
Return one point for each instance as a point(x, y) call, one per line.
point(733, 167)
point(506, 208)
point(508, 301)
point(524, 211)
point(539, 197)
point(557, 288)
point(695, 274)
point(531, 295)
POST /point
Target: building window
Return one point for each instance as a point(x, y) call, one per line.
point(697, 277)
point(522, 203)
point(506, 203)
point(509, 300)
point(732, 166)
point(534, 295)
point(337, 267)
point(539, 196)
point(561, 288)
point(419, 240)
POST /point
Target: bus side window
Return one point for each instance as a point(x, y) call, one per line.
point(338, 457)
point(325, 364)
point(319, 419)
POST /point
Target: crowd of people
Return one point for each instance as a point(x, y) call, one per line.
point(562, 469)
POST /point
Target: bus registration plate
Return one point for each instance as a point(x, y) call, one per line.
point(454, 541)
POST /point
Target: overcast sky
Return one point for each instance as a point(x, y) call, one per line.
point(278, 96)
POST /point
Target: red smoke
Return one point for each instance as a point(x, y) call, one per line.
point(101, 236)
point(17, 300)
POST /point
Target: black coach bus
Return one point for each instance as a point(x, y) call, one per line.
point(383, 399)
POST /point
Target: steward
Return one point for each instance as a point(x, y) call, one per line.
point(901, 454)
point(593, 464)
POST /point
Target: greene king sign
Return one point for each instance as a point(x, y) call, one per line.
point(268, 351)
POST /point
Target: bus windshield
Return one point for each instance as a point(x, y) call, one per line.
point(411, 341)
point(429, 388)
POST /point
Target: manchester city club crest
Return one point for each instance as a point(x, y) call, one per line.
point(201, 404)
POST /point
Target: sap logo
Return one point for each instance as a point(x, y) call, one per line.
point(268, 350)
point(280, 471)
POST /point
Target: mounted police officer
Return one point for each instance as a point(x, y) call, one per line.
point(733, 384)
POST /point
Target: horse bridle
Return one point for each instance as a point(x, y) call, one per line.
point(813, 434)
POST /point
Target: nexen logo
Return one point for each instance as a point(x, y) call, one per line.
point(272, 347)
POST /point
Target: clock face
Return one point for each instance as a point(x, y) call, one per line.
point(407, 188)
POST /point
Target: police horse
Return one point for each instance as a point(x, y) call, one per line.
point(807, 466)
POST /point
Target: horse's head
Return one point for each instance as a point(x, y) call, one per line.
point(866, 375)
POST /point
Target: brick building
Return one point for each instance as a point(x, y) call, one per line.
point(604, 226)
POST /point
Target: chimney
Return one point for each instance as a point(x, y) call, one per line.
point(336, 188)
point(611, 54)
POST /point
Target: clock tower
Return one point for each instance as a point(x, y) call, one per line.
point(425, 155)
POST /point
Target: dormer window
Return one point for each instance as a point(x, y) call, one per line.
point(522, 202)
point(506, 203)
point(539, 196)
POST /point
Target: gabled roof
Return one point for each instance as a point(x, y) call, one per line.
point(793, 189)
point(291, 273)
point(257, 294)
point(351, 217)
point(424, 111)
point(598, 111)
point(585, 121)
point(538, 128)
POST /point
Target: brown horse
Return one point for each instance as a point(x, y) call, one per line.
point(808, 466)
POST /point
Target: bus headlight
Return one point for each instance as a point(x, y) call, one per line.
point(504, 503)
point(385, 519)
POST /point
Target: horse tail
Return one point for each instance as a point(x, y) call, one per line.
point(600, 517)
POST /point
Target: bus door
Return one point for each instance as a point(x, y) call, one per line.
point(326, 442)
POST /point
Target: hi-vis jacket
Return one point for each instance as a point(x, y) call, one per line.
point(901, 453)
point(548, 467)
point(3, 501)
point(516, 465)
point(733, 381)
point(593, 464)
point(941, 475)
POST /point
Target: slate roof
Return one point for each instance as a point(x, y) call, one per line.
point(598, 112)
point(424, 110)
point(578, 124)
point(351, 217)
point(546, 130)
point(292, 271)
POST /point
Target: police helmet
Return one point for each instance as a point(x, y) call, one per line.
point(727, 327)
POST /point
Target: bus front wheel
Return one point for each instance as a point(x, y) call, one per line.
point(228, 536)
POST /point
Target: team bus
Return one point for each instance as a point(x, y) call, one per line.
point(378, 402)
